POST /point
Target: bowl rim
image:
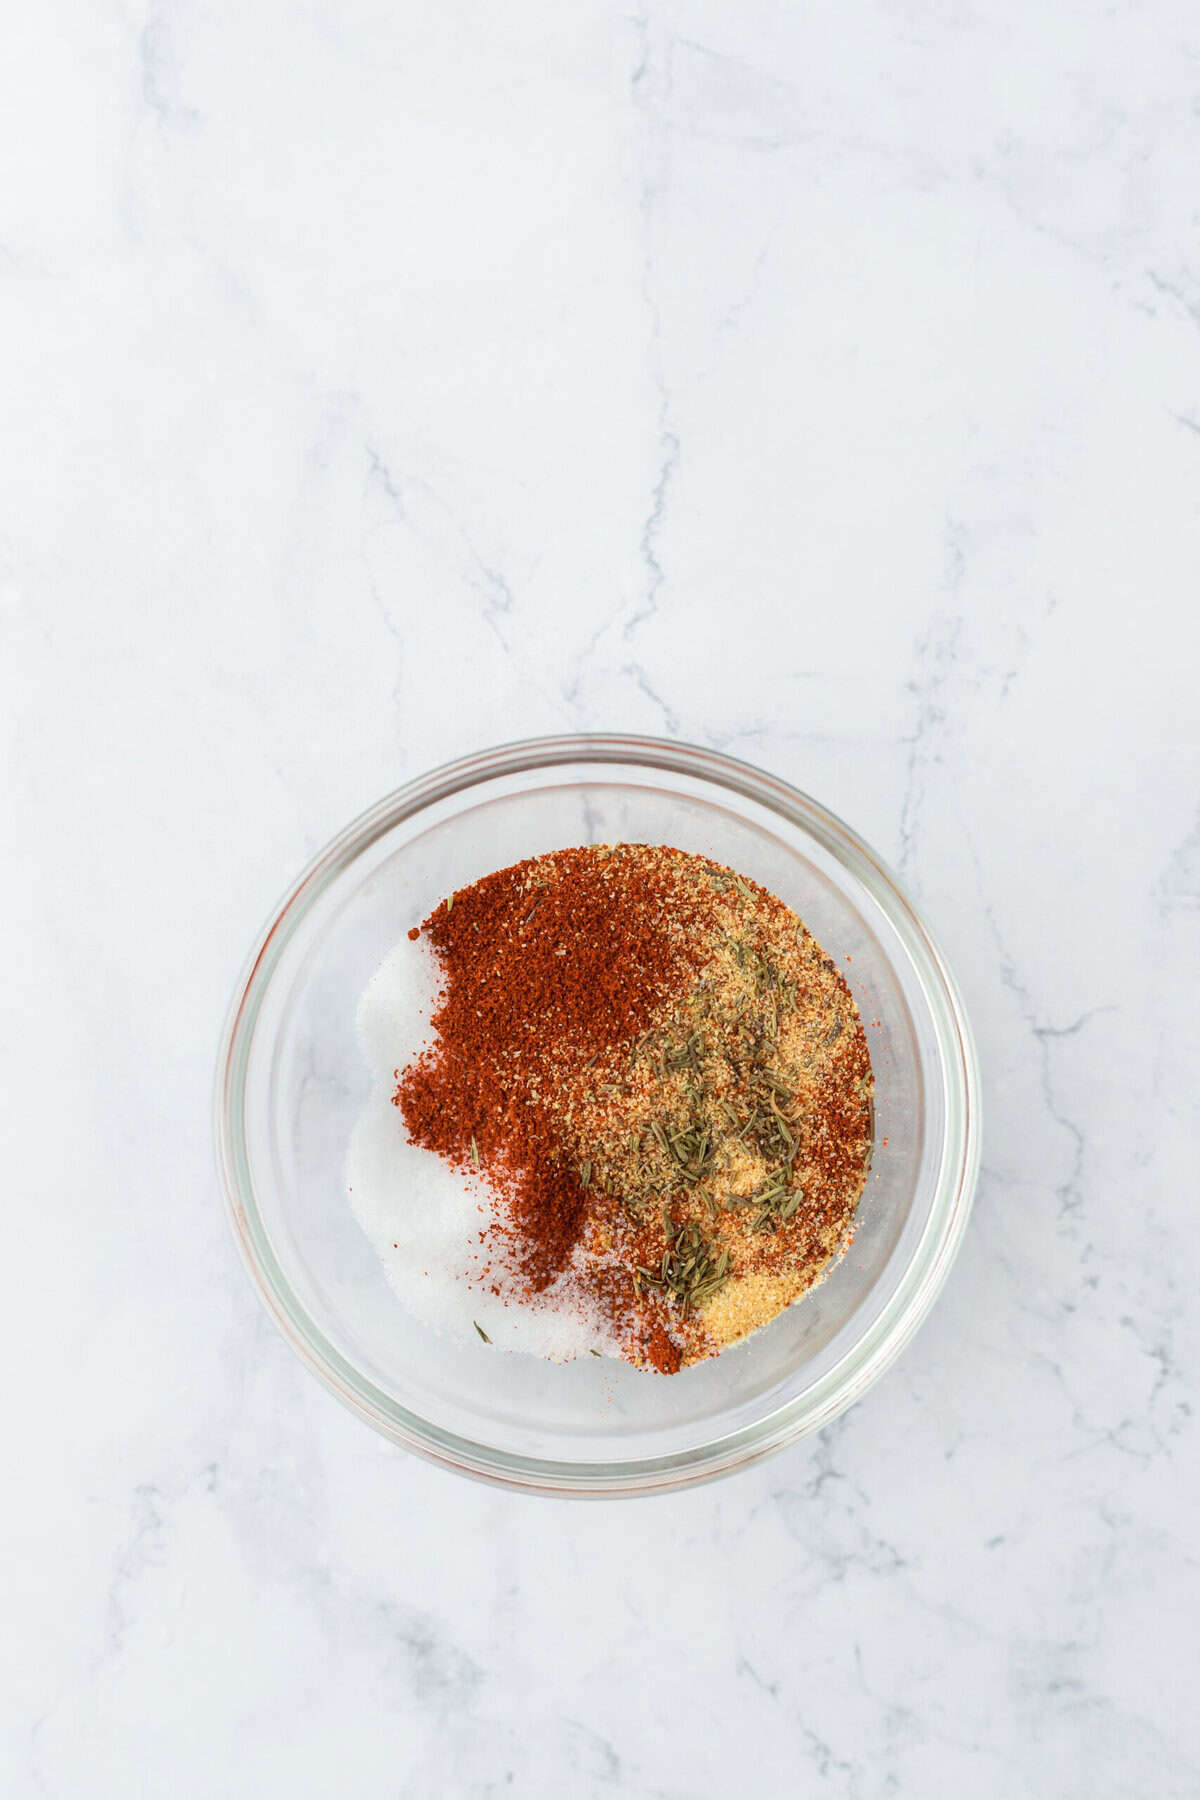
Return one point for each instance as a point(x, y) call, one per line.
point(863, 1361)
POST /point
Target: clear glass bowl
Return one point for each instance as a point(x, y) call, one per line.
point(292, 1080)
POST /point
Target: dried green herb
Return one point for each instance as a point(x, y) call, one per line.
point(479, 1328)
point(690, 1271)
point(777, 1202)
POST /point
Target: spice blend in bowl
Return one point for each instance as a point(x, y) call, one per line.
point(650, 1094)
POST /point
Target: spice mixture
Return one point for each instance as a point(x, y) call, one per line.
point(661, 1081)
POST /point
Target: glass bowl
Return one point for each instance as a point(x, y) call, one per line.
point(292, 1080)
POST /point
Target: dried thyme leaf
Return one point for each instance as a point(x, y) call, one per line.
point(689, 1271)
point(479, 1328)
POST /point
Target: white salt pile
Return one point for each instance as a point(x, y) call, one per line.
point(425, 1218)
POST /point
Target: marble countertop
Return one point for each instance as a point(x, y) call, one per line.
point(821, 384)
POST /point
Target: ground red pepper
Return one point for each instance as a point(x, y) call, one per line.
point(539, 976)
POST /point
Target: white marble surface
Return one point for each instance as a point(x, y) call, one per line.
point(821, 383)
